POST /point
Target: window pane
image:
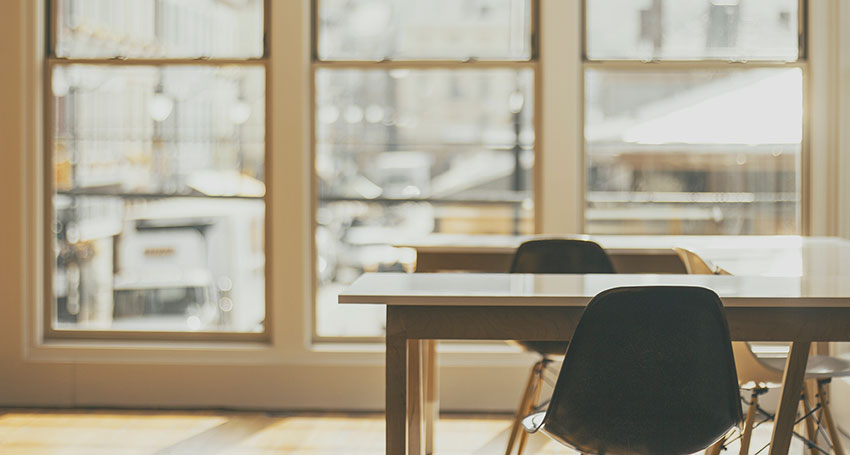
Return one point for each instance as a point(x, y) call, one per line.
point(403, 153)
point(693, 152)
point(692, 29)
point(436, 29)
point(158, 204)
point(159, 28)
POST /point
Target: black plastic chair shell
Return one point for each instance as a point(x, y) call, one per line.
point(558, 256)
point(649, 370)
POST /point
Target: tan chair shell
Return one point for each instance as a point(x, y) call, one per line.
point(756, 372)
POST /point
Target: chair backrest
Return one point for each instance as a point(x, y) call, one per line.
point(696, 265)
point(561, 256)
point(752, 372)
point(649, 370)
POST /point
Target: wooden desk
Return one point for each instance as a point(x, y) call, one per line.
point(497, 306)
point(740, 255)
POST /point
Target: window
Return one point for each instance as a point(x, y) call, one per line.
point(424, 122)
point(157, 152)
point(693, 116)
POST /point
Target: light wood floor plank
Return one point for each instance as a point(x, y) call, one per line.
point(100, 432)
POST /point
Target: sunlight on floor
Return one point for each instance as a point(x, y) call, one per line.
point(43, 432)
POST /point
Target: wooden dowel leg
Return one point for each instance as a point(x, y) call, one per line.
point(535, 398)
point(715, 448)
point(792, 385)
point(834, 435)
point(811, 423)
point(521, 410)
point(415, 433)
point(431, 385)
point(747, 434)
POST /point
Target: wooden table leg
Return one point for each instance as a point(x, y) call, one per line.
point(396, 390)
point(792, 387)
point(415, 436)
point(431, 384)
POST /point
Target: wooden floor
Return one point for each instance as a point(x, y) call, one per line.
point(99, 432)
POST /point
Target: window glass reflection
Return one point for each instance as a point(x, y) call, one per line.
point(159, 28)
point(693, 152)
point(158, 204)
point(436, 29)
point(403, 153)
point(692, 29)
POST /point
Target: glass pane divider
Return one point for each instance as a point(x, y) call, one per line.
point(424, 64)
point(149, 195)
point(677, 65)
point(157, 61)
point(67, 335)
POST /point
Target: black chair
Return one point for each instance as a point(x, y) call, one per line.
point(649, 370)
point(561, 256)
point(550, 256)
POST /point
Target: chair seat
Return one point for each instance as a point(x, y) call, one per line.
point(545, 348)
point(818, 366)
point(766, 350)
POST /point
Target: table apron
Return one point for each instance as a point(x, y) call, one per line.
point(558, 323)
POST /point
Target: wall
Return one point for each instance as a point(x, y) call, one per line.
point(52, 383)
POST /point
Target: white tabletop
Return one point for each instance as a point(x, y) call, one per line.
point(503, 289)
point(740, 255)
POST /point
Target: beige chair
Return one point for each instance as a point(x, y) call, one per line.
point(758, 373)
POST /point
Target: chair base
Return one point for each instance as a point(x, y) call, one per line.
point(819, 421)
point(530, 398)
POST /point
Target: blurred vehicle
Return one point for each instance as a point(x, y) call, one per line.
point(199, 262)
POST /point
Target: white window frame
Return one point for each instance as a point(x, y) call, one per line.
point(288, 371)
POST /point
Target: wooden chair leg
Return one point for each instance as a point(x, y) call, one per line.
point(535, 398)
point(747, 432)
point(715, 448)
point(811, 422)
point(834, 435)
point(432, 393)
point(522, 410)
